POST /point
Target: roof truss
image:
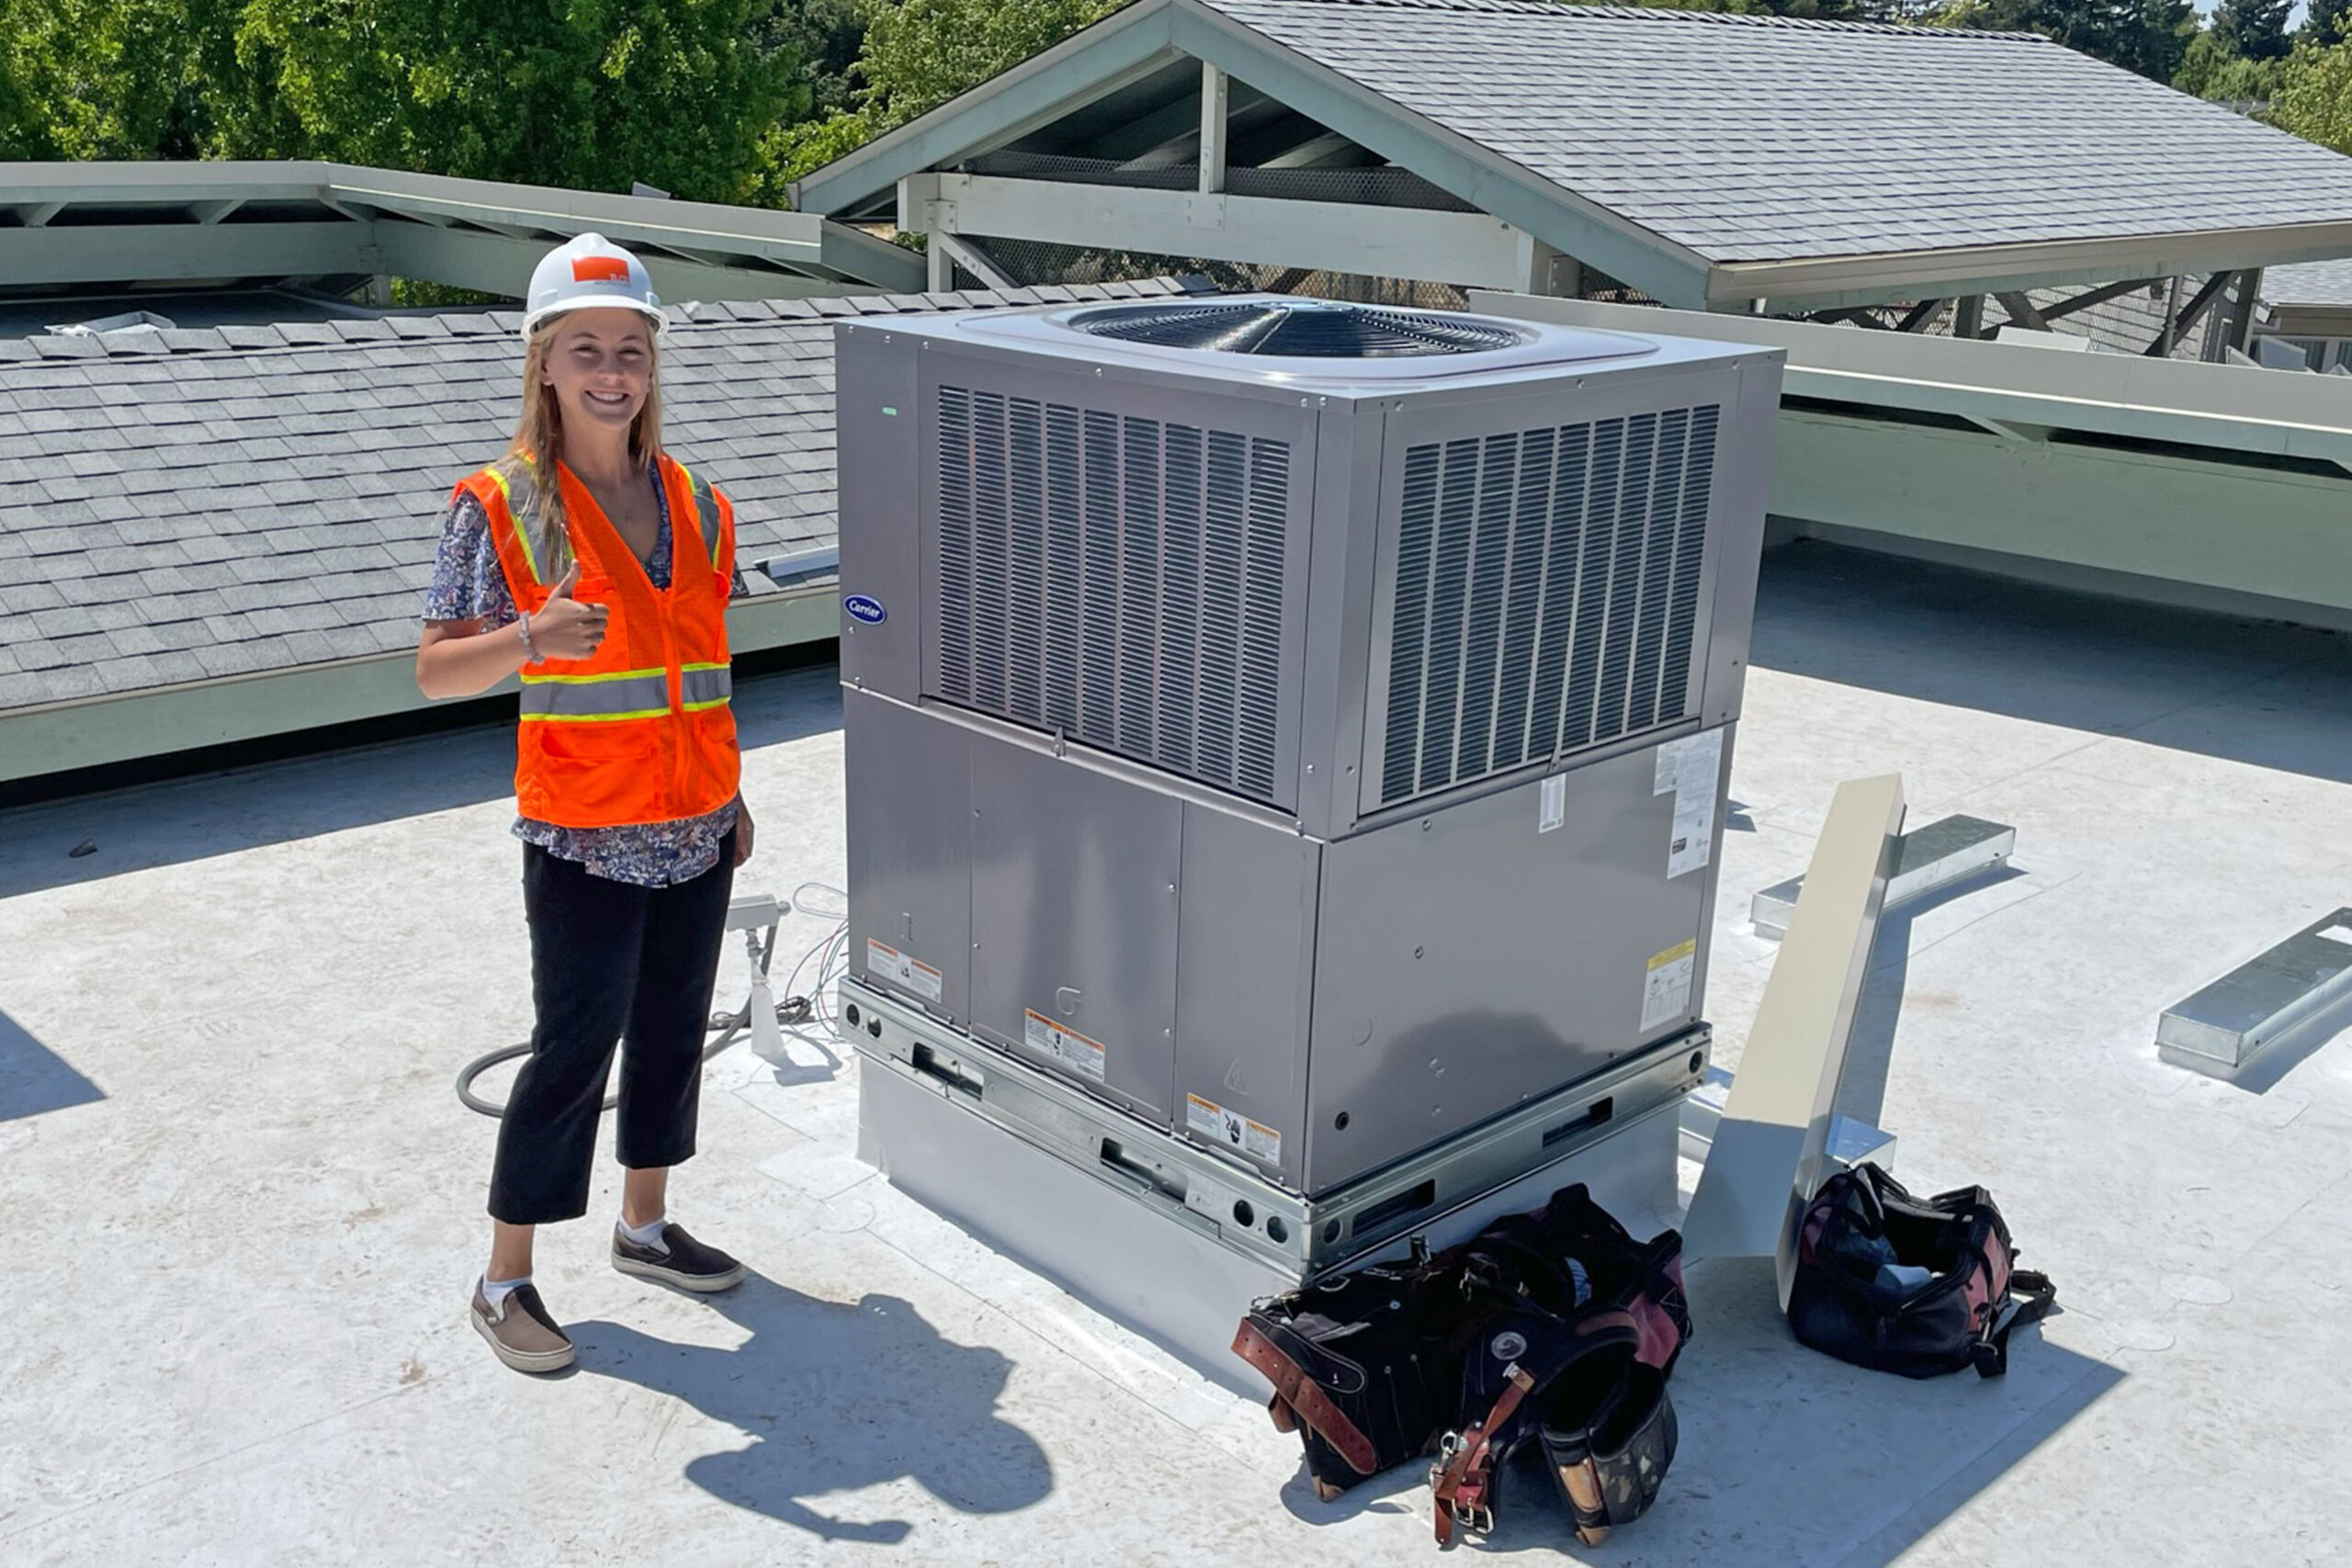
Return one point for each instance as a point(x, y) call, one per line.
point(65, 224)
point(1100, 83)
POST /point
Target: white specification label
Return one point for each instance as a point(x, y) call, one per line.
point(1556, 803)
point(1233, 1130)
point(1666, 989)
point(1072, 1050)
point(1692, 769)
point(887, 963)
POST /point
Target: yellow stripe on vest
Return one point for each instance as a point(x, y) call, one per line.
point(515, 521)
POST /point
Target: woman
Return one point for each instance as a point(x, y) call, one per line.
point(599, 569)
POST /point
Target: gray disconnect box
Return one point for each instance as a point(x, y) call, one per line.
point(1289, 740)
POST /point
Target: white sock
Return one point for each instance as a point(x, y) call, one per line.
point(647, 1234)
point(495, 1291)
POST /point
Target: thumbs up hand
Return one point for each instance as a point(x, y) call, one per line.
point(567, 628)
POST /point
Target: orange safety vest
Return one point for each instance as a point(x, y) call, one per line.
point(639, 731)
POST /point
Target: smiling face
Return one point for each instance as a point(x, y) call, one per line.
point(599, 364)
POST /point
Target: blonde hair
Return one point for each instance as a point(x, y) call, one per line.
point(538, 444)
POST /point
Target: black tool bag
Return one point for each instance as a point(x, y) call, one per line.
point(1366, 1366)
point(1919, 1286)
point(1378, 1366)
point(1588, 1325)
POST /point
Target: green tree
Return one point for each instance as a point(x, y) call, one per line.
point(2323, 23)
point(109, 78)
point(2314, 98)
point(2150, 37)
point(2252, 30)
point(917, 55)
point(827, 35)
point(588, 94)
point(2210, 70)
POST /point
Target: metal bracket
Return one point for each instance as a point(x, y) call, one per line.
point(1925, 859)
point(1850, 1141)
point(752, 914)
point(2221, 1027)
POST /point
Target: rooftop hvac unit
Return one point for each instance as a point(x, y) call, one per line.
point(1286, 741)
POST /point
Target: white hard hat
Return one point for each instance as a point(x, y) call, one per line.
point(588, 271)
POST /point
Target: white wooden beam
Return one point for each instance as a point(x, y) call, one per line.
point(158, 253)
point(498, 263)
point(973, 260)
point(1213, 104)
point(1467, 248)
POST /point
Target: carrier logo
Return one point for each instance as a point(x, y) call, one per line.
point(861, 608)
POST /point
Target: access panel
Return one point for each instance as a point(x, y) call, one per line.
point(1074, 879)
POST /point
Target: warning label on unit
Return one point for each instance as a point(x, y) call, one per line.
point(1692, 769)
point(1233, 1130)
point(1666, 989)
point(884, 963)
point(1072, 1050)
point(1556, 803)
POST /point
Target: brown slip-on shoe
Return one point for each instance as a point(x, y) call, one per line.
point(677, 1259)
point(521, 1332)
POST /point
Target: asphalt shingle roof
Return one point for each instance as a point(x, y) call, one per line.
point(2309, 282)
point(181, 505)
point(1757, 137)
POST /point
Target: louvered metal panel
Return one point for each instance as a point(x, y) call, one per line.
point(1547, 593)
point(1117, 578)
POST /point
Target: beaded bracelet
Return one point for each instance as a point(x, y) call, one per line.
point(523, 622)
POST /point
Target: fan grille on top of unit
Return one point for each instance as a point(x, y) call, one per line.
point(1303, 329)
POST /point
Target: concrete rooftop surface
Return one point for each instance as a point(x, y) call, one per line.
point(241, 1209)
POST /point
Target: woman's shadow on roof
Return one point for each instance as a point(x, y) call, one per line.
point(837, 1397)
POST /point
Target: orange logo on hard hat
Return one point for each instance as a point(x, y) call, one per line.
point(599, 269)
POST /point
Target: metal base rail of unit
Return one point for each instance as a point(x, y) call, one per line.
point(1300, 1235)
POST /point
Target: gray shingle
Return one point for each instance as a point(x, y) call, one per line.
point(1753, 138)
point(238, 503)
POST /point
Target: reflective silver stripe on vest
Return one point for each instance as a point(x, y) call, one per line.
point(706, 513)
point(638, 693)
point(707, 685)
point(520, 486)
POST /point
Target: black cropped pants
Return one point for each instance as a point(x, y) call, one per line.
point(611, 962)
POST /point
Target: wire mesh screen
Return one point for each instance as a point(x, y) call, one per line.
point(1379, 186)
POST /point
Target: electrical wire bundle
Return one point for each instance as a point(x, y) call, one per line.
point(829, 954)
